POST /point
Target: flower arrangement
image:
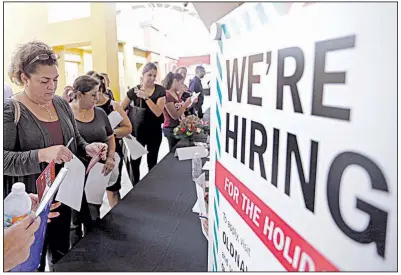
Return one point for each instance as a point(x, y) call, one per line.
point(190, 127)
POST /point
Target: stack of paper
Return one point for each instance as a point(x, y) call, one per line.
point(136, 150)
point(96, 184)
point(206, 166)
point(72, 188)
point(115, 118)
point(189, 152)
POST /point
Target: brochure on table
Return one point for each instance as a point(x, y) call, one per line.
point(304, 136)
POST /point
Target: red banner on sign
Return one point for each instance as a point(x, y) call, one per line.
point(289, 248)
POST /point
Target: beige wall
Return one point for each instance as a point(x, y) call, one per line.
point(29, 21)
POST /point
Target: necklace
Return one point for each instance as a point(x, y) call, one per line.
point(44, 106)
point(82, 113)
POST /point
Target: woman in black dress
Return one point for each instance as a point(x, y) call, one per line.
point(152, 97)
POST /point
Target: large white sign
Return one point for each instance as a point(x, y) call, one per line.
point(304, 133)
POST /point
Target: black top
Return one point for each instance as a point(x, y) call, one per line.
point(151, 120)
point(98, 130)
point(107, 107)
point(109, 93)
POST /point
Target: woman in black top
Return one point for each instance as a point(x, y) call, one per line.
point(122, 130)
point(153, 98)
point(93, 125)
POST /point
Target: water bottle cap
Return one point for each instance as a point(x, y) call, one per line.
point(18, 188)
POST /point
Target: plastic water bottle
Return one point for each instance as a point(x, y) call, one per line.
point(196, 166)
point(17, 205)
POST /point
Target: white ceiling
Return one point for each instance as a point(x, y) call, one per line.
point(210, 12)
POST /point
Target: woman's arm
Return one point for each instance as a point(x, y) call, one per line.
point(127, 100)
point(125, 103)
point(157, 108)
point(110, 161)
point(111, 142)
point(125, 127)
point(16, 163)
point(173, 112)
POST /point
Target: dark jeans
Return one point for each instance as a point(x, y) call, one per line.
point(169, 134)
point(198, 106)
point(57, 238)
point(151, 138)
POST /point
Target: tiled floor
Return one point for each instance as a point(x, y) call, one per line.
point(126, 184)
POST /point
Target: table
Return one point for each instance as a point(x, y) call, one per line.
point(152, 229)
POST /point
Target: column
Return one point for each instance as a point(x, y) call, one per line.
point(104, 43)
point(81, 65)
point(60, 50)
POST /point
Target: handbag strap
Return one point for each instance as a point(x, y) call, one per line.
point(17, 111)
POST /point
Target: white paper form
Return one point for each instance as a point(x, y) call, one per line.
point(195, 209)
point(189, 152)
point(115, 118)
point(199, 182)
point(206, 166)
point(194, 96)
point(96, 184)
point(136, 149)
point(72, 188)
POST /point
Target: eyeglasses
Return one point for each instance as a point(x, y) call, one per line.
point(42, 57)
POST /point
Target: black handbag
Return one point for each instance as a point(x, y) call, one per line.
point(136, 114)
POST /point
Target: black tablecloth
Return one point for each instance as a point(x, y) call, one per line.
point(152, 229)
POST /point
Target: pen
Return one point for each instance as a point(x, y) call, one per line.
point(69, 143)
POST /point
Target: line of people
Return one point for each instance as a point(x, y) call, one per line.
point(46, 122)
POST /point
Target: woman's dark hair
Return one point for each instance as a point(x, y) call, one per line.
point(181, 68)
point(102, 87)
point(84, 84)
point(25, 54)
point(168, 81)
point(149, 66)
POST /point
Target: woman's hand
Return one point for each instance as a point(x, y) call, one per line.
point(205, 224)
point(35, 203)
point(96, 148)
point(58, 153)
point(188, 102)
point(18, 240)
point(108, 166)
point(141, 94)
point(195, 100)
point(53, 214)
